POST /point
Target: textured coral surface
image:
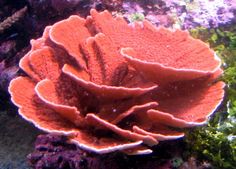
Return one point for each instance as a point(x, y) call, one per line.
point(109, 85)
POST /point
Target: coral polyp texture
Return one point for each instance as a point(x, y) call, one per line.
point(109, 85)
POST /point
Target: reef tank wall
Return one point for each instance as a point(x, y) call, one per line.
point(117, 84)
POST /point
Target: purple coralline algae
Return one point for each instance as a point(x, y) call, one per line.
point(54, 152)
point(185, 14)
point(209, 13)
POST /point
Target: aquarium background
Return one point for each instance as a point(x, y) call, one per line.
point(209, 146)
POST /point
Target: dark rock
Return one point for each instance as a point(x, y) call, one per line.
point(54, 151)
point(6, 76)
point(7, 48)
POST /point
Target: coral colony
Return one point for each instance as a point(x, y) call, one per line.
point(109, 85)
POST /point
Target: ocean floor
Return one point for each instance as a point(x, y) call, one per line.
point(17, 141)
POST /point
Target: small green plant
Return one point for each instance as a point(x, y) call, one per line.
point(176, 162)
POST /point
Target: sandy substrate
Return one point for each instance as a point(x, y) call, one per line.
point(16, 141)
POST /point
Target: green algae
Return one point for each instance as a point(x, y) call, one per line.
point(216, 141)
point(136, 17)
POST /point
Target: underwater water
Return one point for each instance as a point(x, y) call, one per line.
point(210, 146)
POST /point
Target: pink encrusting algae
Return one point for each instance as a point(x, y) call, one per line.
point(109, 85)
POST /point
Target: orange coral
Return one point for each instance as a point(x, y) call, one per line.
point(109, 85)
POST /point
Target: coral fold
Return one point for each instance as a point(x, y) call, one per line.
point(109, 85)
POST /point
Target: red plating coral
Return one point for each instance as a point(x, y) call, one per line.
point(109, 85)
